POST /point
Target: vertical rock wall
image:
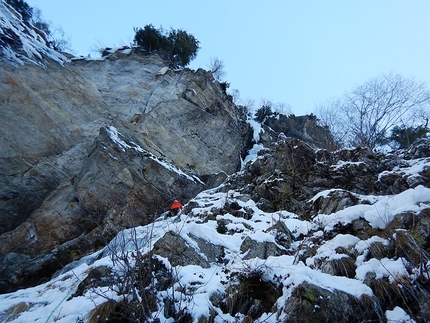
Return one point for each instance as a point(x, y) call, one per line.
point(94, 146)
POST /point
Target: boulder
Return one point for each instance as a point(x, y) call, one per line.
point(334, 201)
point(173, 247)
point(311, 303)
point(262, 250)
point(300, 127)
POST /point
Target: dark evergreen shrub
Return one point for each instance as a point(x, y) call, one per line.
point(180, 46)
point(150, 38)
point(183, 47)
point(403, 137)
point(263, 112)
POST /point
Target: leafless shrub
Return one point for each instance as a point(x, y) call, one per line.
point(217, 68)
point(131, 279)
point(134, 283)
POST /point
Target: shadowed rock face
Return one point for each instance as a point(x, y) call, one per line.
point(95, 146)
point(304, 128)
point(47, 125)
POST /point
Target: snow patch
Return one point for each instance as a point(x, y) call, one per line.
point(381, 213)
point(398, 315)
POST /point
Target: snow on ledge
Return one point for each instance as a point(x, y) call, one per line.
point(116, 137)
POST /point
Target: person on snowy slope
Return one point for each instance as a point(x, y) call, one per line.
point(175, 208)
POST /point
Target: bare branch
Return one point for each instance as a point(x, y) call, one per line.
point(217, 68)
point(368, 112)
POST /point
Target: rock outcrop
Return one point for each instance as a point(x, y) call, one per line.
point(305, 128)
point(20, 42)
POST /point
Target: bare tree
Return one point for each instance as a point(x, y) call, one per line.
point(282, 108)
point(217, 68)
point(54, 37)
point(235, 94)
point(331, 116)
point(370, 111)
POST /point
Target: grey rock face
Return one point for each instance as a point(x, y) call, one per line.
point(95, 146)
point(49, 119)
point(262, 250)
point(334, 201)
point(213, 252)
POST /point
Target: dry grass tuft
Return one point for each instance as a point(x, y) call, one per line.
point(399, 292)
point(403, 288)
point(339, 267)
point(407, 247)
point(118, 312)
point(378, 250)
point(103, 312)
point(351, 251)
point(13, 312)
point(344, 267)
point(382, 290)
point(370, 307)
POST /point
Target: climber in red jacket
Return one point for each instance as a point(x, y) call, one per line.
point(176, 207)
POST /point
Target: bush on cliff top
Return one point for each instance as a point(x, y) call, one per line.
point(181, 46)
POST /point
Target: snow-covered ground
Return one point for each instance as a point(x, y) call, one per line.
point(51, 302)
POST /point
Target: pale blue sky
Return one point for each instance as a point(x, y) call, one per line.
point(297, 52)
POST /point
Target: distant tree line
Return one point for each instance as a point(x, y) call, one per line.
point(180, 46)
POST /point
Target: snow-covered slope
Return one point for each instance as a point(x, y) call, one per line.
point(224, 259)
point(20, 43)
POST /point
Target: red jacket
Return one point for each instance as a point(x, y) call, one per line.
point(176, 205)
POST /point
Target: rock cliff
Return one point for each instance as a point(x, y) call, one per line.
point(94, 146)
point(304, 128)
